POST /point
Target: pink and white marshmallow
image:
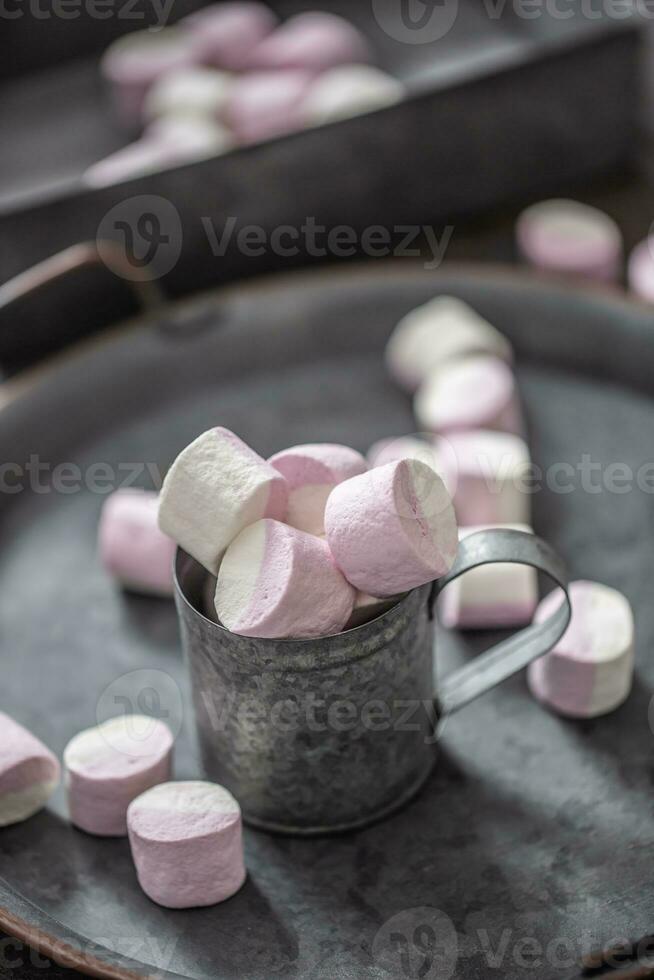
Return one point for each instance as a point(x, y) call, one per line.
point(187, 844)
point(266, 104)
point(393, 528)
point(109, 765)
point(29, 772)
point(216, 487)
point(314, 41)
point(441, 330)
point(276, 581)
point(188, 93)
point(640, 270)
point(492, 480)
point(469, 393)
point(311, 472)
point(350, 90)
point(132, 548)
point(569, 237)
point(491, 596)
point(135, 61)
point(440, 459)
point(225, 34)
point(589, 672)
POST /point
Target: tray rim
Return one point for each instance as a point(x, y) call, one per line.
point(43, 931)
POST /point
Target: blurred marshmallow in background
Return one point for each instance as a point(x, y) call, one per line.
point(225, 34)
point(348, 91)
point(265, 104)
point(640, 270)
point(194, 91)
point(572, 238)
point(313, 41)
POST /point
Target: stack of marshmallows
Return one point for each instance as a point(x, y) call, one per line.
point(311, 541)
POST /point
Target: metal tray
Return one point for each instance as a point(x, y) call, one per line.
point(533, 833)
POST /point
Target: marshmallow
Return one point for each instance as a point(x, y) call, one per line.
point(443, 329)
point(492, 477)
point(470, 393)
point(311, 472)
point(215, 488)
point(392, 528)
point(132, 63)
point(224, 34)
point(569, 237)
point(106, 767)
point(276, 581)
point(266, 104)
point(589, 671)
point(367, 607)
point(409, 447)
point(191, 92)
point(29, 772)
point(501, 594)
point(350, 90)
point(314, 41)
point(132, 548)
point(186, 842)
point(640, 270)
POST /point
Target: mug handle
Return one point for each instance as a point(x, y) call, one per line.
point(497, 664)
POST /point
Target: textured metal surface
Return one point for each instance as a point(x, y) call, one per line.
point(530, 830)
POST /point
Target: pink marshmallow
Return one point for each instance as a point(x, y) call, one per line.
point(491, 596)
point(640, 270)
point(29, 772)
point(132, 63)
point(132, 548)
point(492, 477)
point(216, 487)
point(392, 529)
point(313, 41)
point(186, 842)
point(311, 472)
point(225, 34)
point(569, 237)
point(108, 766)
point(589, 672)
point(276, 581)
point(266, 104)
point(469, 393)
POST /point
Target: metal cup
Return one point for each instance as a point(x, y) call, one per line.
point(330, 734)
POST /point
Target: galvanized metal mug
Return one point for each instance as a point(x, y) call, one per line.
point(330, 734)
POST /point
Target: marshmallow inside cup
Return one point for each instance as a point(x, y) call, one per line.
point(186, 843)
point(215, 488)
point(431, 335)
point(566, 236)
point(589, 672)
point(107, 766)
point(29, 772)
point(311, 472)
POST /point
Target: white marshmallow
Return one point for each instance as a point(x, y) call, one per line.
point(469, 393)
point(570, 237)
point(435, 333)
point(216, 487)
point(494, 595)
point(349, 90)
point(29, 772)
point(193, 91)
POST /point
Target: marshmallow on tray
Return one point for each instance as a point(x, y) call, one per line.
point(29, 772)
point(224, 34)
point(132, 63)
point(106, 767)
point(312, 471)
point(349, 90)
point(186, 843)
point(188, 92)
point(640, 270)
point(441, 330)
point(569, 237)
point(216, 487)
point(265, 104)
point(314, 40)
point(492, 477)
point(276, 581)
point(132, 548)
point(393, 528)
point(501, 594)
point(589, 671)
point(469, 393)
